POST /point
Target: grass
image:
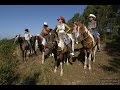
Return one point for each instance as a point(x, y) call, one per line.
point(13, 71)
point(7, 62)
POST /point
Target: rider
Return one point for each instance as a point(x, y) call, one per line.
point(75, 32)
point(44, 33)
point(27, 37)
point(92, 26)
point(62, 33)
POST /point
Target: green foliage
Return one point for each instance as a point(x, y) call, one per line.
point(7, 62)
point(106, 16)
point(76, 17)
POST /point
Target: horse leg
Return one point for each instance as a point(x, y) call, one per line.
point(30, 53)
point(43, 54)
point(89, 58)
point(61, 64)
point(98, 44)
point(68, 57)
point(73, 43)
point(67, 62)
point(85, 64)
point(25, 54)
point(34, 51)
point(94, 52)
point(55, 57)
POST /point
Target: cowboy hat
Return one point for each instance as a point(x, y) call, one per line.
point(92, 15)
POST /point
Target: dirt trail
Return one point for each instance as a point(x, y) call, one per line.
point(104, 71)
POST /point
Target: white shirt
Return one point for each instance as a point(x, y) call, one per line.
point(27, 36)
point(61, 28)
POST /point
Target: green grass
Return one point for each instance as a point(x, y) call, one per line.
point(13, 71)
point(7, 62)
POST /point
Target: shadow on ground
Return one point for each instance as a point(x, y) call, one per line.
point(31, 80)
point(113, 50)
point(80, 56)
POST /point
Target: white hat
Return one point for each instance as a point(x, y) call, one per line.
point(92, 15)
point(45, 23)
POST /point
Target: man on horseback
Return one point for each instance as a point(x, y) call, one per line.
point(92, 28)
point(62, 33)
point(44, 33)
point(27, 37)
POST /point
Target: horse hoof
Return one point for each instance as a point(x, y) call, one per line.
point(85, 67)
point(67, 63)
point(89, 68)
point(55, 71)
point(93, 60)
point(61, 74)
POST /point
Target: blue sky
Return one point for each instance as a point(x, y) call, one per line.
point(15, 18)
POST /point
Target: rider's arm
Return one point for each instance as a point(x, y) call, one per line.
point(67, 28)
point(89, 27)
point(94, 26)
point(56, 29)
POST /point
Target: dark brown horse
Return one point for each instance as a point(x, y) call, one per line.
point(24, 46)
point(64, 54)
point(89, 44)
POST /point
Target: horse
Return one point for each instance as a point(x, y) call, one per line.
point(40, 44)
point(89, 44)
point(24, 46)
point(63, 52)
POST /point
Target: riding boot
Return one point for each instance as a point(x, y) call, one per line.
point(70, 48)
point(98, 45)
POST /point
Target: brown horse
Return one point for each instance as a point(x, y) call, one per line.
point(24, 46)
point(64, 54)
point(38, 45)
point(89, 44)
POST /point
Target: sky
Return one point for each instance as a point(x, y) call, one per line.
point(14, 19)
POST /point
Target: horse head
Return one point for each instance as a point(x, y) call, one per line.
point(52, 39)
point(18, 39)
point(82, 31)
point(37, 40)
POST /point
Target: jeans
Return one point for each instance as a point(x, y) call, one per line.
point(66, 40)
point(75, 35)
point(95, 33)
point(29, 43)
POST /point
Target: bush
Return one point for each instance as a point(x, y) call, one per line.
point(7, 62)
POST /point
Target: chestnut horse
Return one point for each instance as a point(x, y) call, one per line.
point(89, 44)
